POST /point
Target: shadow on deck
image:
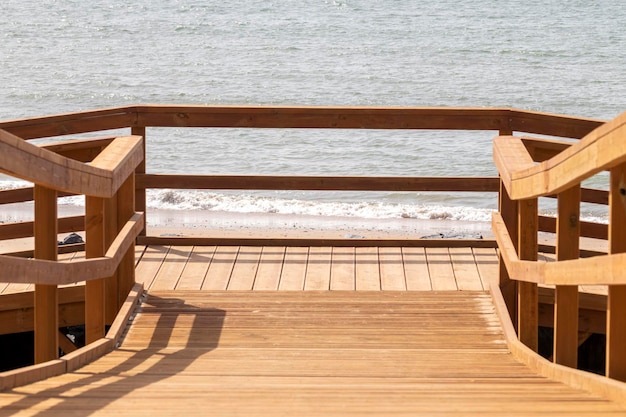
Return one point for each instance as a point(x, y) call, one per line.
point(308, 353)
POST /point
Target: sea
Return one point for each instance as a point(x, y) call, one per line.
point(557, 56)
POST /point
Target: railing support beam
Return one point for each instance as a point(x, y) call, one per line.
point(527, 292)
point(616, 305)
point(46, 296)
point(94, 289)
point(125, 210)
point(140, 194)
point(566, 296)
point(509, 210)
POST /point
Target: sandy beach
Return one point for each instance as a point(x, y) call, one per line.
point(268, 225)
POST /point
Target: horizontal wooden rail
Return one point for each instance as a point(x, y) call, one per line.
point(257, 182)
point(71, 123)
point(587, 229)
point(446, 118)
point(245, 241)
point(39, 271)
point(25, 229)
point(597, 270)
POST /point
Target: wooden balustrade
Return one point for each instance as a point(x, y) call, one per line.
point(528, 173)
point(108, 183)
point(116, 180)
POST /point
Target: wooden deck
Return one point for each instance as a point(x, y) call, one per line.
point(315, 268)
point(308, 354)
point(310, 331)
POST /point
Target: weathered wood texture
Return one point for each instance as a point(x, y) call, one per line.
point(309, 354)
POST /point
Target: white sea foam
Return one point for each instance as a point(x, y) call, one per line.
point(246, 203)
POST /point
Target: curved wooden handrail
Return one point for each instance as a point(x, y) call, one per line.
point(598, 270)
point(601, 149)
point(102, 178)
point(39, 271)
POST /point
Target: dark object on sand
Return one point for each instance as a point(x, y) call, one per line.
point(72, 239)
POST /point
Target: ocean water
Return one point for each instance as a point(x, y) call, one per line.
point(552, 55)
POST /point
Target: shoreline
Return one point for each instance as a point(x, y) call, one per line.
point(194, 223)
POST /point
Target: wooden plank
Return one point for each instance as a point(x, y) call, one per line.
point(196, 268)
point(326, 117)
point(509, 212)
point(245, 269)
point(416, 269)
point(126, 268)
point(342, 269)
point(150, 264)
point(140, 193)
point(511, 158)
point(367, 269)
point(221, 267)
point(465, 269)
point(25, 229)
point(32, 163)
point(270, 269)
point(317, 276)
point(527, 292)
point(267, 182)
point(212, 240)
point(272, 354)
point(601, 149)
point(391, 269)
point(46, 296)
point(120, 158)
point(72, 123)
point(566, 297)
point(487, 264)
point(172, 268)
point(616, 303)
point(294, 268)
point(440, 269)
point(111, 290)
point(95, 289)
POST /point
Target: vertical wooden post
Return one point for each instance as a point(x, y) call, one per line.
point(616, 308)
point(94, 289)
point(111, 305)
point(140, 194)
point(509, 211)
point(125, 210)
point(46, 296)
point(527, 292)
point(566, 296)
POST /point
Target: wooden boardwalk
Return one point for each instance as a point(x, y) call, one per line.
point(319, 331)
point(315, 268)
point(308, 354)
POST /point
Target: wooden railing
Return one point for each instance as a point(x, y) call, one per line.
point(525, 178)
point(111, 185)
point(110, 223)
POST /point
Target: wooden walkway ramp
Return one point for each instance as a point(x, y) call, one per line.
point(305, 353)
